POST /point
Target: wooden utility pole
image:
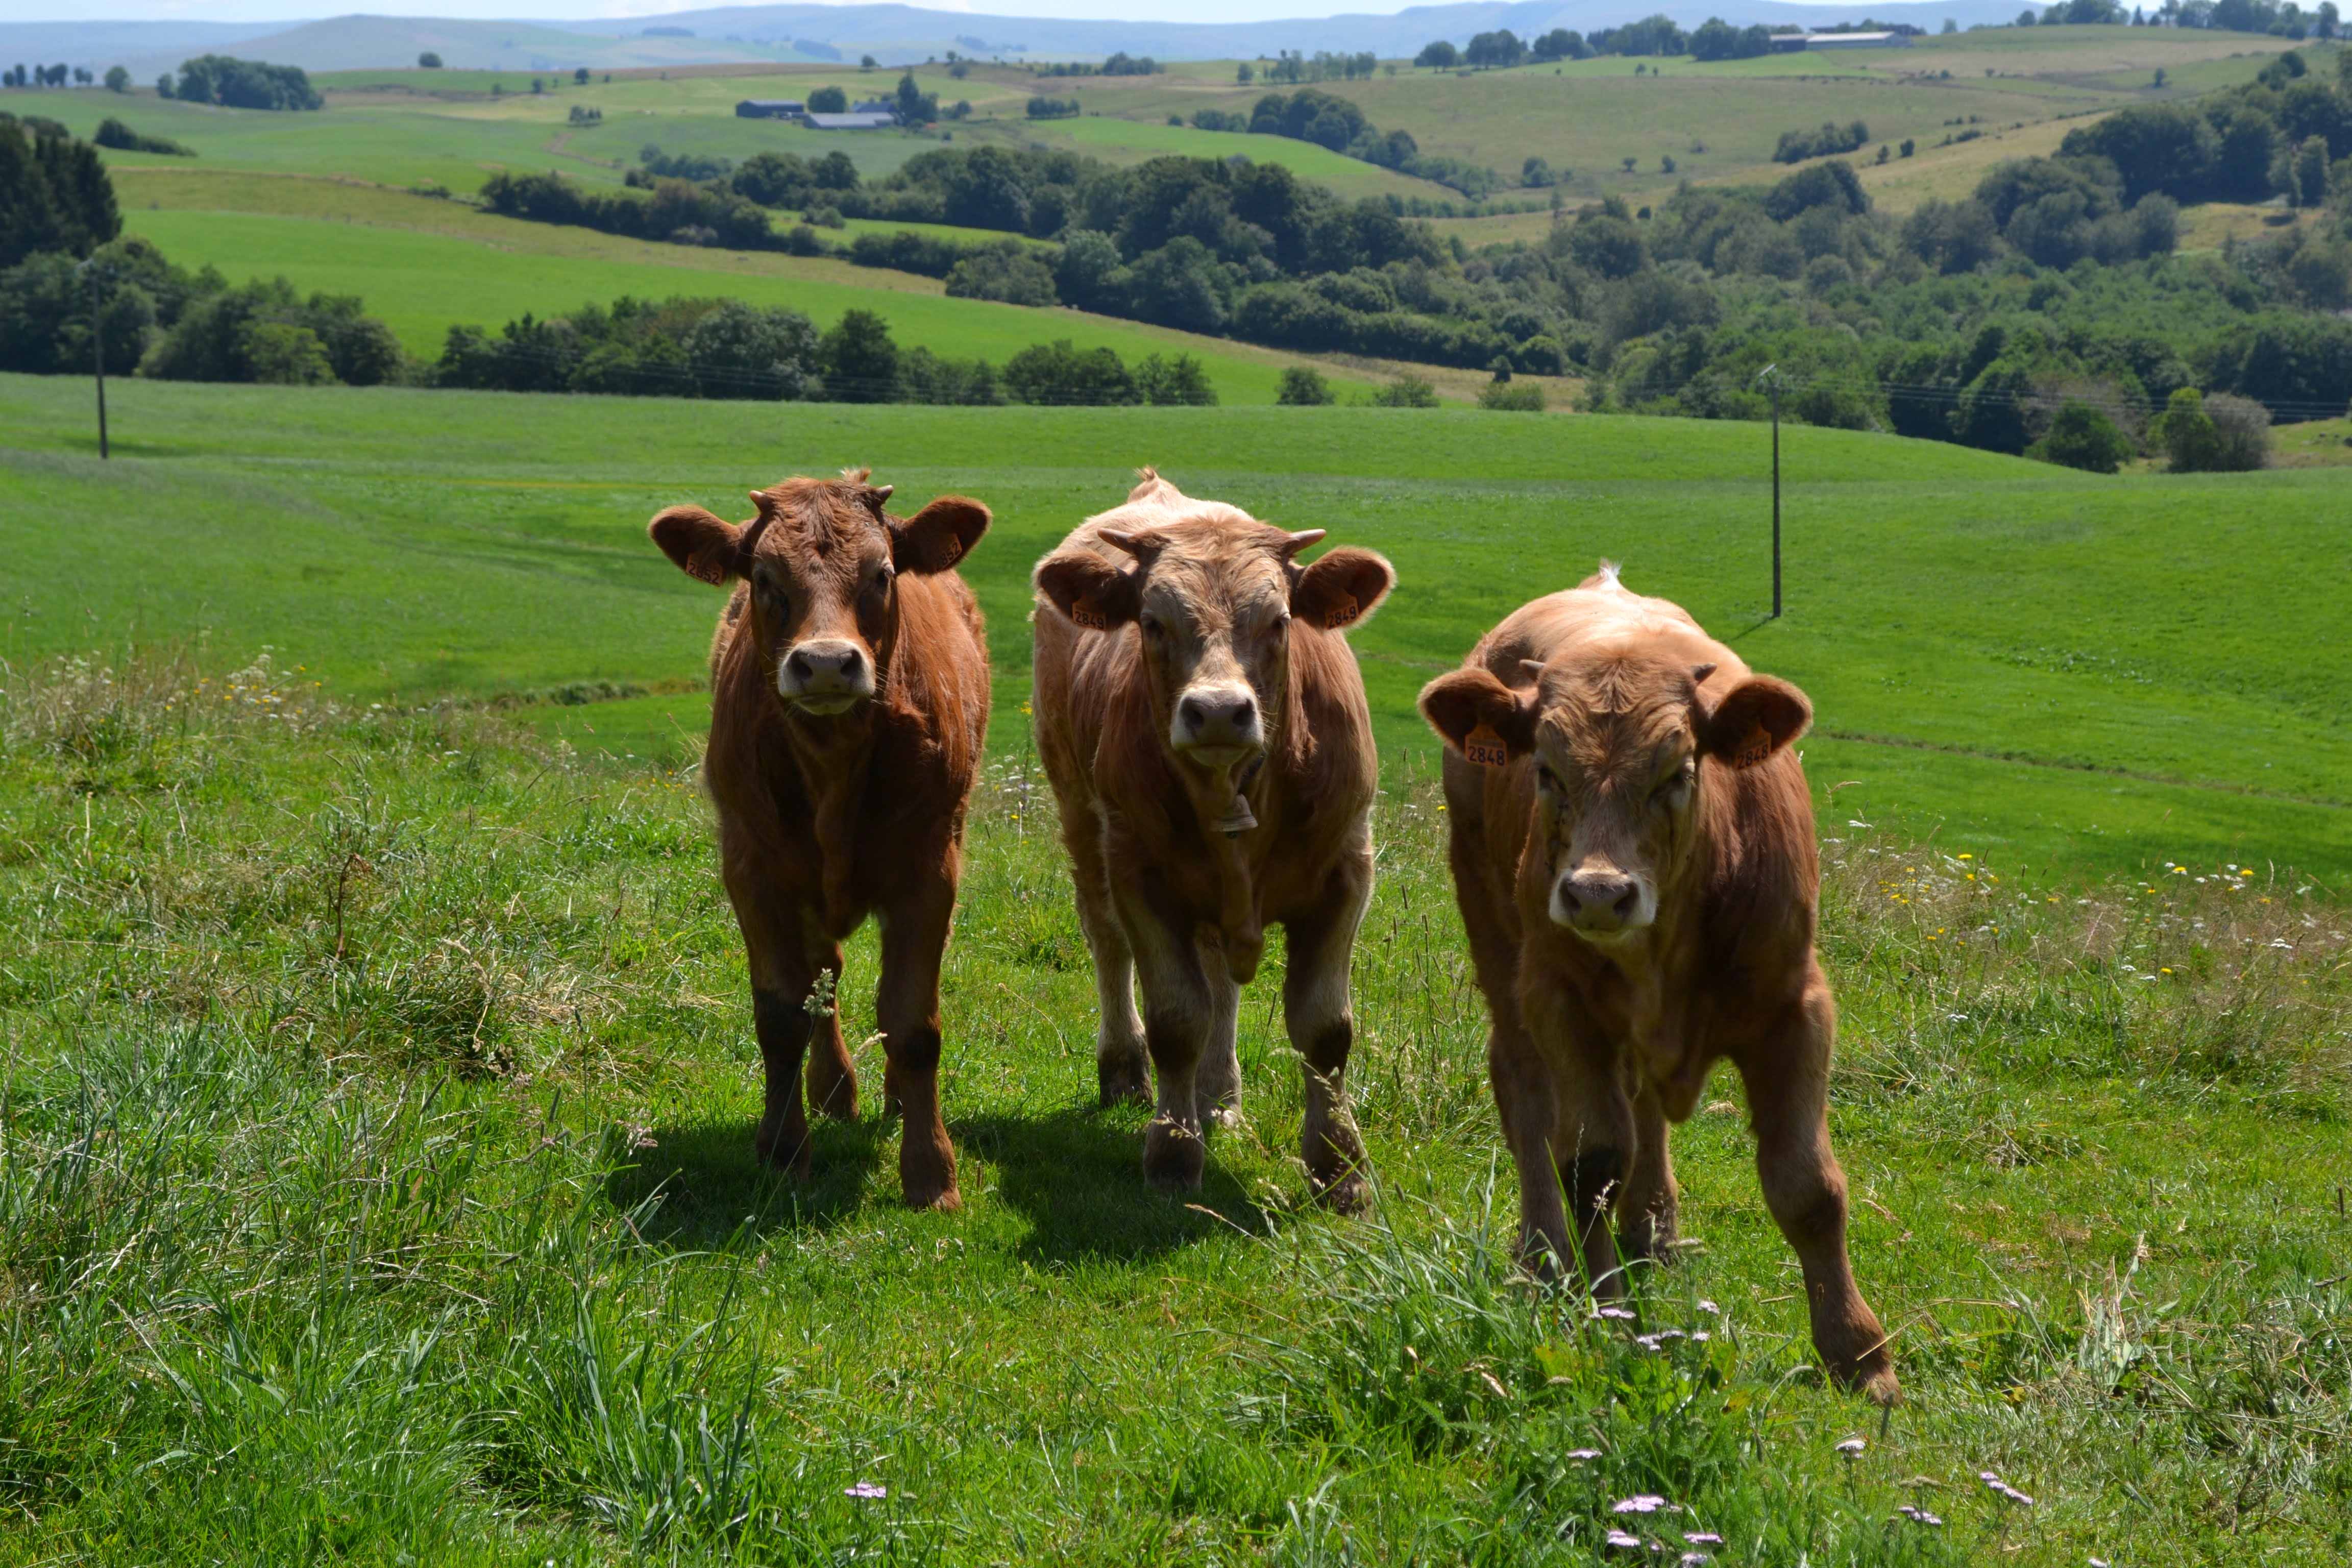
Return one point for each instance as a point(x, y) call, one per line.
point(98, 352)
point(1776, 496)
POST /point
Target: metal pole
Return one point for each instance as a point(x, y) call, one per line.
point(97, 359)
point(1776, 498)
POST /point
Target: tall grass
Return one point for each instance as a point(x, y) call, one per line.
point(374, 1185)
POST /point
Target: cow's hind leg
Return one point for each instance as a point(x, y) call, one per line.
point(907, 1007)
point(1646, 1208)
point(832, 1080)
point(1217, 1082)
point(1788, 1094)
point(1122, 1065)
point(1322, 1026)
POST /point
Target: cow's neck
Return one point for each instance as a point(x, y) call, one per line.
point(831, 756)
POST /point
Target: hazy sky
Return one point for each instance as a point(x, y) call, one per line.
point(304, 10)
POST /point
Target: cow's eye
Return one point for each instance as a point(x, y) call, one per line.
point(1151, 627)
point(1549, 781)
point(1672, 785)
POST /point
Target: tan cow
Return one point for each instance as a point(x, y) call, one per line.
point(1632, 851)
point(1204, 727)
point(848, 705)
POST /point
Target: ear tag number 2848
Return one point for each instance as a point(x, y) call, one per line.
point(1483, 746)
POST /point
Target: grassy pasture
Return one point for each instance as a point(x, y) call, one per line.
point(2028, 662)
point(376, 1181)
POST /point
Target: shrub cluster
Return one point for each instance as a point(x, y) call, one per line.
point(162, 321)
point(241, 84)
point(112, 132)
point(1796, 146)
point(726, 349)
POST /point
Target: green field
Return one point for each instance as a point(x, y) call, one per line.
point(2035, 664)
point(377, 1093)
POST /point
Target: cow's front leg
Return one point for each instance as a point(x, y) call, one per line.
point(1788, 1096)
point(1593, 1134)
point(775, 949)
point(1179, 1011)
point(832, 1080)
point(1646, 1209)
point(1322, 1026)
point(907, 1007)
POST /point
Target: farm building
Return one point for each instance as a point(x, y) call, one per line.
point(857, 120)
point(771, 109)
point(1800, 43)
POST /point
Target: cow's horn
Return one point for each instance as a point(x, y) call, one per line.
point(1533, 669)
point(1301, 540)
point(1142, 546)
point(1699, 672)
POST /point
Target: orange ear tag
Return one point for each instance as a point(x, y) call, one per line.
point(1484, 747)
point(954, 552)
point(1093, 620)
point(1753, 749)
point(1343, 610)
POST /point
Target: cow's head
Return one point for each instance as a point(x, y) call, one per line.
point(1621, 741)
point(1213, 594)
point(821, 560)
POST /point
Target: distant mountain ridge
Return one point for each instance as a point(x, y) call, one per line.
point(894, 33)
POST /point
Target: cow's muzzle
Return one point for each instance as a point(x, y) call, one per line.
point(1218, 725)
point(1603, 904)
point(825, 676)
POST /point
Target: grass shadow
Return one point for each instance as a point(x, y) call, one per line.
point(1076, 1175)
point(713, 1188)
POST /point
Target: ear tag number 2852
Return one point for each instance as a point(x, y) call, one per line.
point(1484, 747)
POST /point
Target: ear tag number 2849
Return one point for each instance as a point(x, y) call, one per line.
point(1483, 746)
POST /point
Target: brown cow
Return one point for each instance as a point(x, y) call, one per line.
point(849, 702)
point(1204, 727)
point(1632, 851)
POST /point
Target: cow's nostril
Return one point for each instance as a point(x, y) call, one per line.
point(1625, 905)
point(1193, 715)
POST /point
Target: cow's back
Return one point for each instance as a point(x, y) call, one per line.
point(1594, 617)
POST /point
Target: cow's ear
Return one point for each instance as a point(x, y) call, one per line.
point(1341, 587)
point(1755, 719)
point(939, 536)
point(1089, 590)
point(704, 544)
point(1480, 717)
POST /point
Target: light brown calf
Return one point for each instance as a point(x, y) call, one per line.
point(1632, 851)
point(849, 701)
point(1203, 724)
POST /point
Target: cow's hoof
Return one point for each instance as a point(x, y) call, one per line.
point(786, 1148)
point(1173, 1157)
point(1875, 1381)
point(1122, 1083)
point(939, 1200)
point(833, 1090)
point(1350, 1193)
